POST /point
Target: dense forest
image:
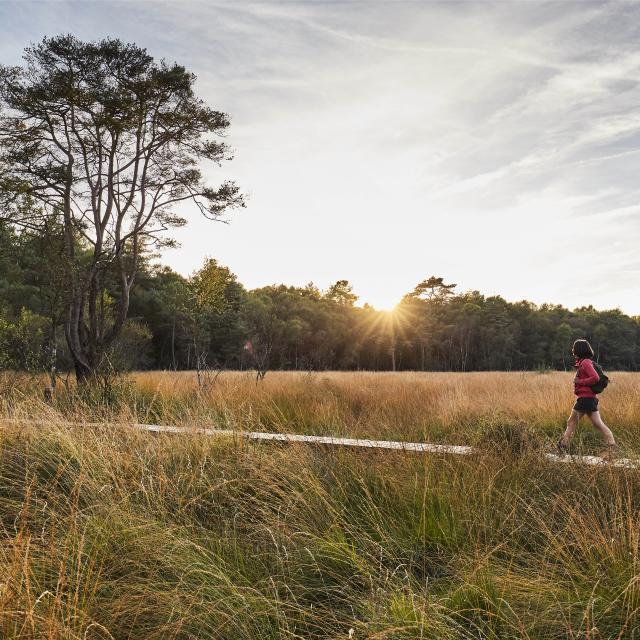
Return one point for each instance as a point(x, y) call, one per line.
point(210, 321)
point(98, 143)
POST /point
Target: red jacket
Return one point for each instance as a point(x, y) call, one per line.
point(586, 375)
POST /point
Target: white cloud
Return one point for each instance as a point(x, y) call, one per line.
point(383, 142)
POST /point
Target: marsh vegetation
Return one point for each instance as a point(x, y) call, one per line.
point(112, 533)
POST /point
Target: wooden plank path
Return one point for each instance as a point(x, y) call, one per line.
point(414, 447)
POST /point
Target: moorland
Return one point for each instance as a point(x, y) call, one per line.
point(108, 532)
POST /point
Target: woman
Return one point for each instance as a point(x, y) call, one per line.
point(587, 402)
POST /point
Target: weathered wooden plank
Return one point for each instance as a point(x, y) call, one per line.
point(417, 447)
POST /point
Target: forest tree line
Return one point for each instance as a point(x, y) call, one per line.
point(100, 148)
point(211, 321)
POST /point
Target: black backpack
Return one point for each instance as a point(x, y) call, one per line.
point(601, 385)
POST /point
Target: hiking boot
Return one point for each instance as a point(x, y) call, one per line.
point(562, 448)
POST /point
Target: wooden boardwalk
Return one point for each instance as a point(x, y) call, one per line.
point(396, 445)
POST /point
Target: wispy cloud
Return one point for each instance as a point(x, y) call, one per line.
point(489, 142)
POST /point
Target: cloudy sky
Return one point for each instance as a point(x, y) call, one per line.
point(496, 144)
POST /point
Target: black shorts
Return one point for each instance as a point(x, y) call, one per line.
point(586, 405)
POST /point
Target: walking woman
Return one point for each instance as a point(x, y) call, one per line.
point(587, 401)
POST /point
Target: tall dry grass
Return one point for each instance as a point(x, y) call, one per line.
point(110, 533)
point(447, 407)
point(457, 408)
point(106, 532)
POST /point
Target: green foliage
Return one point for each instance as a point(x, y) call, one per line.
point(469, 331)
point(113, 534)
point(132, 349)
point(205, 321)
point(342, 293)
point(210, 288)
point(98, 145)
point(301, 329)
point(23, 342)
point(193, 318)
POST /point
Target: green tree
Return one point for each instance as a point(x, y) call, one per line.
point(162, 299)
point(341, 292)
point(562, 343)
point(420, 309)
point(212, 289)
point(107, 142)
point(433, 288)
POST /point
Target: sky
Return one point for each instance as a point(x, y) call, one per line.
point(495, 144)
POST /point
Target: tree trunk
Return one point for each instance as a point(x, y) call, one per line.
point(53, 352)
point(83, 372)
point(173, 344)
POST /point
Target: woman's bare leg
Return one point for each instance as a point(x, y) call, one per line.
point(598, 423)
point(572, 423)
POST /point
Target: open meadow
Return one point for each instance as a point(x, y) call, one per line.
point(112, 533)
point(454, 408)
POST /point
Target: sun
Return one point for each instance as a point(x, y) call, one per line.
point(386, 303)
point(391, 312)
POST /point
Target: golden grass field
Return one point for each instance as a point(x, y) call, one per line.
point(111, 533)
point(440, 407)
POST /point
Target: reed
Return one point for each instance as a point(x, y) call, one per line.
point(454, 408)
point(106, 532)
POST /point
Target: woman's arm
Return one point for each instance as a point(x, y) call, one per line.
point(589, 370)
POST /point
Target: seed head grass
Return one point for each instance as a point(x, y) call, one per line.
point(106, 532)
